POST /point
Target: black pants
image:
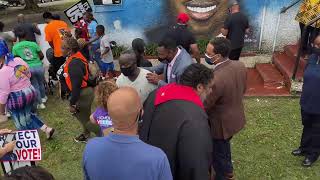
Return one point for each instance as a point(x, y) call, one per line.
point(310, 35)
point(56, 63)
point(310, 139)
point(222, 162)
point(235, 54)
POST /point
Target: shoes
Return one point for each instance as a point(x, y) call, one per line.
point(50, 133)
point(44, 100)
point(81, 138)
point(8, 114)
point(41, 106)
point(298, 152)
point(308, 161)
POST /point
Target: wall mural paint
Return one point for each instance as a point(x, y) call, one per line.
point(148, 19)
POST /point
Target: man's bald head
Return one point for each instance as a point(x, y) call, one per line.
point(127, 58)
point(21, 18)
point(124, 106)
point(317, 42)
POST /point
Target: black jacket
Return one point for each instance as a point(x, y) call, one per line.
point(77, 71)
point(180, 128)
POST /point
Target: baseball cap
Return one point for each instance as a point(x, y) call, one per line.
point(183, 18)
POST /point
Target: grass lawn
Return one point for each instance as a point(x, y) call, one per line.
point(260, 152)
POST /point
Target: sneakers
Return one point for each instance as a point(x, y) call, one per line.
point(8, 114)
point(50, 133)
point(41, 106)
point(81, 138)
point(44, 100)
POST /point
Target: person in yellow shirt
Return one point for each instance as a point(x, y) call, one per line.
point(309, 10)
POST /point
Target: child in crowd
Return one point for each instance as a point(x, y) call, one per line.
point(107, 65)
point(31, 53)
point(83, 43)
point(101, 116)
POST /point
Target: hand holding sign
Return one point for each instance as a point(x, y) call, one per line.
point(5, 131)
point(23, 145)
point(10, 146)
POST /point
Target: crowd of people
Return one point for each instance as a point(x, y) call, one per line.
point(174, 120)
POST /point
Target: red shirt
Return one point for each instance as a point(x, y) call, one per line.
point(84, 27)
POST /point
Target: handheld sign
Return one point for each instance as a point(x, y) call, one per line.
point(28, 147)
point(76, 12)
point(107, 2)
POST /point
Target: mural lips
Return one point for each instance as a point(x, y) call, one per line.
point(201, 10)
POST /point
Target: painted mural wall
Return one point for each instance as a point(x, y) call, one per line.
point(149, 19)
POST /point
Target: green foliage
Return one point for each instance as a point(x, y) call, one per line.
point(202, 44)
point(151, 49)
point(118, 50)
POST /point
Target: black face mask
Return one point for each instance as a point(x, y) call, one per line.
point(209, 61)
point(316, 51)
point(129, 71)
point(163, 60)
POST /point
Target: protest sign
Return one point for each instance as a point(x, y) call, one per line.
point(107, 2)
point(28, 147)
point(8, 167)
point(76, 12)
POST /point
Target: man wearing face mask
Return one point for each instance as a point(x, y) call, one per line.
point(133, 76)
point(310, 109)
point(224, 105)
point(174, 60)
point(175, 121)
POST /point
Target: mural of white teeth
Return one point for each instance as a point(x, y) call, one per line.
point(201, 9)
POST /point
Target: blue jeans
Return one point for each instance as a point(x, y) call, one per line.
point(37, 81)
point(222, 163)
point(96, 56)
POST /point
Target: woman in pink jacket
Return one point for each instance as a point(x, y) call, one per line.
point(17, 93)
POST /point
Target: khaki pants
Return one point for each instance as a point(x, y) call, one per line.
point(84, 106)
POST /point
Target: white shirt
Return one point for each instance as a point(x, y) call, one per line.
point(141, 84)
point(104, 44)
point(170, 65)
point(44, 45)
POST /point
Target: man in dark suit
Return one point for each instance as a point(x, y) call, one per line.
point(174, 60)
point(224, 105)
point(175, 120)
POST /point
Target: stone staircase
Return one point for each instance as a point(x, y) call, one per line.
point(274, 79)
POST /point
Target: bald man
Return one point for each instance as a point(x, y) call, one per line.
point(30, 29)
point(122, 155)
point(133, 76)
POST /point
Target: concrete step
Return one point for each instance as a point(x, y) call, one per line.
point(292, 52)
point(272, 78)
point(286, 66)
point(255, 86)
